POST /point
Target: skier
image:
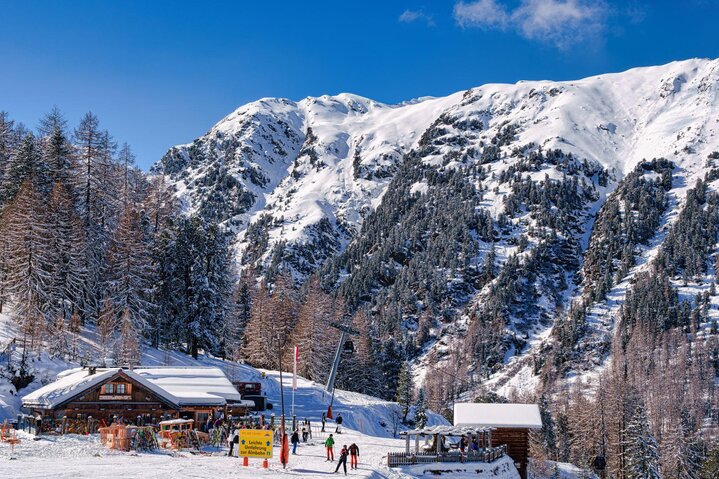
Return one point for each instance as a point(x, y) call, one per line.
point(329, 443)
point(339, 424)
point(295, 440)
point(354, 454)
point(343, 459)
point(233, 439)
point(304, 434)
point(324, 419)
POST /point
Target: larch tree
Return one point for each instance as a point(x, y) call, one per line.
point(129, 286)
point(67, 252)
point(310, 335)
point(29, 267)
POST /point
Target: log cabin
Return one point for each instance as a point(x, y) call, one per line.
point(196, 393)
point(509, 423)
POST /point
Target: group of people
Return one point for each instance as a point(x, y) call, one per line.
point(352, 451)
point(303, 434)
point(306, 433)
point(338, 421)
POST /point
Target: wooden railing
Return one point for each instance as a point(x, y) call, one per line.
point(395, 459)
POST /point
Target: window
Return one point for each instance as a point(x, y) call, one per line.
point(109, 388)
point(120, 388)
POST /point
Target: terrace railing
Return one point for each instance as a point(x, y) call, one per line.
point(395, 459)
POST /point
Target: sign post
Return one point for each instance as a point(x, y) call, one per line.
point(255, 443)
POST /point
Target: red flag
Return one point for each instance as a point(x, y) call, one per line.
point(329, 412)
point(294, 369)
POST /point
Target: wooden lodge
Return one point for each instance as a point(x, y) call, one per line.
point(147, 394)
point(509, 423)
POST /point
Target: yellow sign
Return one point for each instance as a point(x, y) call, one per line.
point(255, 443)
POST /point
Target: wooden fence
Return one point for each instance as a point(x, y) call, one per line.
point(51, 426)
point(395, 459)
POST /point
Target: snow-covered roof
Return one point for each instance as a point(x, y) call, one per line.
point(192, 385)
point(497, 415)
point(180, 386)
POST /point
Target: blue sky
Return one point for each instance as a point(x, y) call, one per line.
point(161, 73)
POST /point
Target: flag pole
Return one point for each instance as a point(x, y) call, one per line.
point(294, 379)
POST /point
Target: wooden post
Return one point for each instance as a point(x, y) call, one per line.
point(407, 444)
point(416, 444)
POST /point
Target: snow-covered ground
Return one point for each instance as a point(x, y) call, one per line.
point(368, 421)
point(84, 457)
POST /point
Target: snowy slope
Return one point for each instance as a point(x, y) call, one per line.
point(341, 168)
point(366, 414)
point(305, 175)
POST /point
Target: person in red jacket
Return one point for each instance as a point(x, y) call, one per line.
point(354, 454)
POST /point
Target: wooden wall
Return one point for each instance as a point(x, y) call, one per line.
point(517, 441)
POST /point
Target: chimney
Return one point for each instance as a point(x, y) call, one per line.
point(91, 370)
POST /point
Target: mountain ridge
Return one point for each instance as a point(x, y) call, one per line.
point(297, 182)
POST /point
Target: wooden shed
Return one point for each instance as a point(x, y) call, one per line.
point(510, 424)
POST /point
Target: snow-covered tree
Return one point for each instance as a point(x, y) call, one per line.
point(641, 453)
point(29, 263)
point(67, 253)
point(420, 416)
point(405, 389)
point(129, 274)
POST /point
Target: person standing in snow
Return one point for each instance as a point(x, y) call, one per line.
point(324, 420)
point(354, 454)
point(234, 438)
point(304, 434)
point(343, 459)
point(295, 440)
point(339, 424)
point(329, 444)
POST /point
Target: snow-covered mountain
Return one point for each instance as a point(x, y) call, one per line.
point(466, 217)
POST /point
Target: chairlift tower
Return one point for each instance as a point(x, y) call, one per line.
point(344, 331)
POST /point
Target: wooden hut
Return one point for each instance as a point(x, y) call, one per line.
point(510, 425)
point(195, 393)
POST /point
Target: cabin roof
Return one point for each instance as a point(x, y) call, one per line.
point(522, 416)
point(180, 386)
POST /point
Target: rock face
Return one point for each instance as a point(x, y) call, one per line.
point(479, 220)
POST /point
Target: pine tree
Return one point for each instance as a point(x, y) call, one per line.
point(710, 467)
point(420, 416)
point(641, 453)
point(405, 390)
point(8, 141)
point(238, 319)
point(56, 148)
point(212, 287)
point(549, 438)
point(25, 163)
